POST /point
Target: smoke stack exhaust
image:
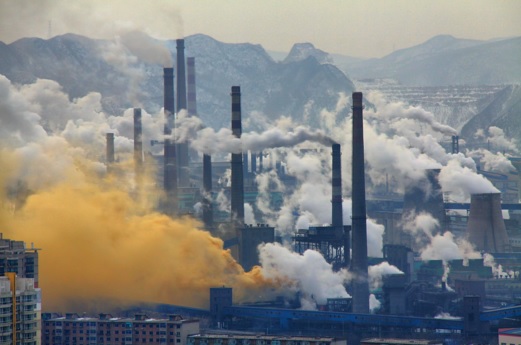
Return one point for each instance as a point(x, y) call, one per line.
point(237, 202)
point(138, 146)
point(207, 187)
point(182, 148)
point(359, 220)
point(170, 171)
point(486, 227)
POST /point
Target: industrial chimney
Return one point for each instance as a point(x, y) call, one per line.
point(207, 188)
point(110, 151)
point(359, 222)
point(191, 98)
point(182, 147)
point(237, 192)
point(486, 228)
point(337, 218)
point(138, 146)
point(253, 160)
point(170, 172)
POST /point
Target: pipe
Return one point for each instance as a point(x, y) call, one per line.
point(207, 188)
point(110, 152)
point(169, 164)
point(182, 147)
point(359, 221)
point(138, 146)
point(191, 97)
point(237, 189)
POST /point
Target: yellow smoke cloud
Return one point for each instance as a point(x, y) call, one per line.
point(98, 244)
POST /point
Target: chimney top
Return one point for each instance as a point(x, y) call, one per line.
point(180, 42)
point(357, 98)
point(168, 71)
point(236, 89)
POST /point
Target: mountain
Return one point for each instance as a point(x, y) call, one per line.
point(301, 51)
point(446, 60)
point(82, 65)
point(503, 112)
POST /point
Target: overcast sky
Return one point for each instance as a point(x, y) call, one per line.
point(368, 28)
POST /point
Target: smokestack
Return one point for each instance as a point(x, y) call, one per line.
point(486, 227)
point(182, 148)
point(191, 99)
point(110, 152)
point(260, 162)
point(245, 164)
point(337, 219)
point(170, 172)
point(253, 159)
point(138, 146)
point(455, 144)
point(207, 186)
point(237, 192)
point(359, 221)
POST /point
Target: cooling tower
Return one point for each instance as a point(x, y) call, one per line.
point(360, 287)
point(191, 99)
point(110, 151)
point(237, 192)
point(138, 145)
point(486, 228)
point(207, 186)
point(170, 172)
point(182, 147)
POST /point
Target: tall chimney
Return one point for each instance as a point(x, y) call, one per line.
point(207, 186)
point(486, 227)
point(182, 147)
point(138, 146)
point(253, 160)
point(245, 164)
point(237, 202)
point(110, 151)
point(260, 162)
point(191, 98)
point(170, 172)
point(337, 219)
point(359, 221)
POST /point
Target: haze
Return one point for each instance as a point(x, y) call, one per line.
point(371, 28)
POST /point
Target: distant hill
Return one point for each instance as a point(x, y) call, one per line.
point(80, 65)
point(446, 60)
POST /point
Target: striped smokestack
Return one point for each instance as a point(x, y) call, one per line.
point(359, 222)
point(191, 99)
point(138, 146)
point(207, 186)
point(182, 148)
point(170, 172)
point(237, 196)
point(110, 151)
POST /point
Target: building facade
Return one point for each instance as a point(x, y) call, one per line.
point(108, 330)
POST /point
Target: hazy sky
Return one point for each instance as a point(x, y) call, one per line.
point(368, 28)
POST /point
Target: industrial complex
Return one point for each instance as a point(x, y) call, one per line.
point(422, 300)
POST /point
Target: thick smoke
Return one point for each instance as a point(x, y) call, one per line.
point(377, 272)
point(497, 140)
point(308, 274)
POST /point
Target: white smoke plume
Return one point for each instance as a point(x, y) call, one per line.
point(308, 274)
point(249, 215)
point(377, 272)
point(374, 303)
point(492, 162)
point(445, 247)
point(497, 139)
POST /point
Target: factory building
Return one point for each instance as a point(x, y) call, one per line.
point(107, 330)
